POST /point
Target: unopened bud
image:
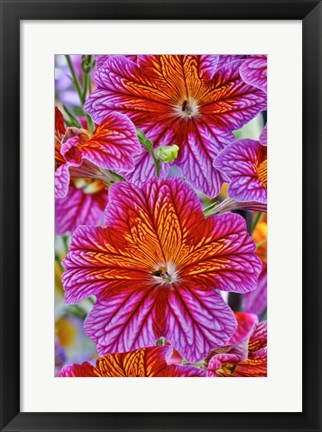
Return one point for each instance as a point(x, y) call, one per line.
point(167, 153)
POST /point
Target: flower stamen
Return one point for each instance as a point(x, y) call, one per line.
point(165, 274)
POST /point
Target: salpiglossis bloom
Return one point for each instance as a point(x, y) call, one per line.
point(184, 100)
point(155, 270)
point(111, 147)
point(84, 204)
point(246, 358)
point(144, 362)
point(245, 164)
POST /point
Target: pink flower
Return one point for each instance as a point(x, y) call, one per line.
point(246, 355)
point(245, 164)
point(111, 147)
point(155, 270)
point(184, 100)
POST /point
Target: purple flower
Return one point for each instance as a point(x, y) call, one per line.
point(245, 164)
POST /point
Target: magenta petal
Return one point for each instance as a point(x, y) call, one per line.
point(101, 59)
point(237, 268)
point(263, 136)
point(183, 371)
point(144, 169)
point(62, 179)
point(256, 301)
point(239, 162)
point(211, 328)
point(113, 144)
point(78, 208)
point(239, 103)
point(70, 145)
point(254, 71)
point(197, 156)
point(226, 59)
point(230, 354)
point(123, 322)
point(112, 93)
point(208, 65)
point(246, 322)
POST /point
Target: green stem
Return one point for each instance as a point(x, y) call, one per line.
point(77, 311)
point(209, 209)
point(198, 364)
point(75, 79)
point(81, 93)
point(58, 260)
point(72, 118)
point(65, 239)
point(156, 163)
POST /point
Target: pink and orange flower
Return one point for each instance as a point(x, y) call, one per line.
point(245, 164)
point(155, 270)
point(245, 355)
point(111, 147)
point(192, 101)
point(144, 362)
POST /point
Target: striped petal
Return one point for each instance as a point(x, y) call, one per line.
point(243, 359)
point(62, 178)
point(256, 301)
point(114, 143)
point(245, 164)
point(254, 71)
point(81, 206)
point(145, 362)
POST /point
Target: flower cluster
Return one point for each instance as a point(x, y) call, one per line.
point(161, 196)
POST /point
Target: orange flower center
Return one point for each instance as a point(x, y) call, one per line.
point(226, 369)
point(89, 186)
point(262, 172)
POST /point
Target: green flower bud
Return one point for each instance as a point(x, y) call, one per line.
point(167, 153)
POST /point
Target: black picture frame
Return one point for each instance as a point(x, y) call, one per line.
point(12, 12)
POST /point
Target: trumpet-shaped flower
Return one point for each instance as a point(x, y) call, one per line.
point(245, 164)
point(144, 362)
point(84, 204)
point(155, 269)
point(112, 147)
point(184, 100)
point(247, 357)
